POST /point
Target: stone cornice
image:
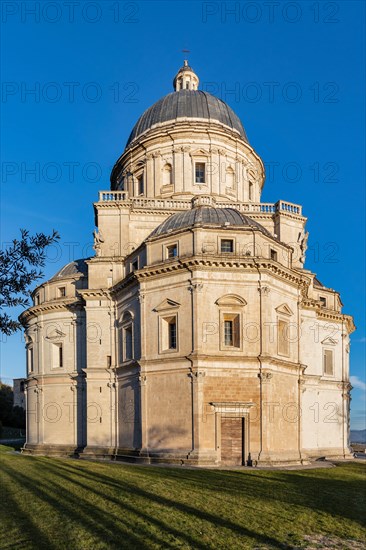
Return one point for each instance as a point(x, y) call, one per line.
point(280, 362)
point(209, 263)
point(95, 294)
point(314, 380)
point(338, 317)
point(59, 304)
point(327, 314)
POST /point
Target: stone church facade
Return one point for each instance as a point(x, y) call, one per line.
point(195, 335)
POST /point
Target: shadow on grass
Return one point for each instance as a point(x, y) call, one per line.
point(31, 534)
point(320, 490)
point(118, 512)
point(69, 511)
point(115, 505)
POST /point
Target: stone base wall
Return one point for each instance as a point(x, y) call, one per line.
point(52, 450)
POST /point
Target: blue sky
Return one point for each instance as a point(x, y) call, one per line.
point(293, 72)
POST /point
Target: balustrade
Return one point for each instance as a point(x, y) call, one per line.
point(186, 204)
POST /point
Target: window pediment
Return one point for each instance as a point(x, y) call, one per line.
point(231, 300)
point(199, 153)
point(284, 309)
point(126, 317)
point(329, 341)
point(166, 305)
point(55, 335)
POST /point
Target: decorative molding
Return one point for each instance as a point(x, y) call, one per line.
point(166, 305)
point(56, 335)
point(195, 287)
point(284, 309)
point(329, 341)
point(345, 386)
point(265, 376)
point(196, 375)
point(301, 382)
point(231, 300)
point(95, 294)
point(216, 263)
point(237, 407)
point(265, 290)
point(142, 379)
point(64, 304)
point(199, 153)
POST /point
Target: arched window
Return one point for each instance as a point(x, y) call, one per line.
point(167, 174)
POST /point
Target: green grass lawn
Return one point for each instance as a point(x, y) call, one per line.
point(57, 503)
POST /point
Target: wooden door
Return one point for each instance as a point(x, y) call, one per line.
point(232, 440)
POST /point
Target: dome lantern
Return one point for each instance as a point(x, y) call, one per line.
point(186, 78)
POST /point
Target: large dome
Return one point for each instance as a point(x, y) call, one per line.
point(187, 104)
point(207, 215)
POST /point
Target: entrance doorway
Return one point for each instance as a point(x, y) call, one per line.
point(233, 440)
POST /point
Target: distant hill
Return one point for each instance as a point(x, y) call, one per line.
point(358, 436)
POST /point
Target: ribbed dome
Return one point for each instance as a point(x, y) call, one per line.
point(187, 104)
point(207, 215)
point(77, 267)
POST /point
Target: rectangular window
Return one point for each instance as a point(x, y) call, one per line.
point(135, 265)
point(172, 251)
point(200, 172)
point(57, 357)
point(140, 185)
point(36, 300)
point(283, 343)
point(172, 327)
point(323, 301)
point(328, 368)
point(228, 333)
point(30, 359)
point(273, 255)
point(109, 361)
point(168, 333)
point(62, 291)
point(227, 245)
point(128, 343)
point(250, 191)
point(231, 336)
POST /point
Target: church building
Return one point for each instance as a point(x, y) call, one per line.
point(195, 334)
